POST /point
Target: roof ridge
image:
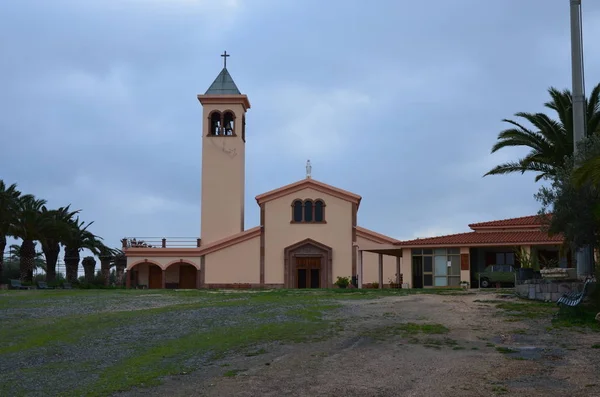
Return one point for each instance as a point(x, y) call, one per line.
point(518, 218)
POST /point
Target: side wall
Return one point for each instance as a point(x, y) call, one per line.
point(236, 264)
point(335, 232)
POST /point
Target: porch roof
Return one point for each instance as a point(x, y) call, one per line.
point(471, 239)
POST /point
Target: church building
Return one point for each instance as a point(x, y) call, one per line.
point(307, 234)
point(306, 237)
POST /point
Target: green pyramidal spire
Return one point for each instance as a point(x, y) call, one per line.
point(223, 85)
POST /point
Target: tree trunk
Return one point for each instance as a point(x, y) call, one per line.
point(71, 264)
point(2, 248)
point(105, 269)
point(27, 254)
point(119, 273)
point(89, 268)
point(51, 252)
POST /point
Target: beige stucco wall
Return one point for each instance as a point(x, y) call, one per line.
point(239, 263)
point(223, 178)
point(465, 275)
point(143, 274)
point(162, 261)
point(406, 266)
point(370, 265)
point(280, 233)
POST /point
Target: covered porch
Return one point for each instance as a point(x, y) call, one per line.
point(152, 275)
point(422, 267)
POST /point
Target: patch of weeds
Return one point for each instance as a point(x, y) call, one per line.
point(490, 344)
point(505, 350)
point(499, 389)
point(474, 348)
point(406, 330)
point(527, 310)
point(458, 348)
point(596, 346)
point(488, 301)
point(232, 373)
point(412, 328)
point(226, 365)
point(256, 353)
point(583, 317)
point(520, 331)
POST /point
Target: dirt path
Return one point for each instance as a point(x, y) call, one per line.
point(482, 354)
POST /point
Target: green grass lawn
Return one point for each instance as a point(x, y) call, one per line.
point(96, 342)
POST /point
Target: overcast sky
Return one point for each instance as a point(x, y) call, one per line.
point(99, 105)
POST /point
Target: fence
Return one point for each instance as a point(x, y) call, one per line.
point(160, 242)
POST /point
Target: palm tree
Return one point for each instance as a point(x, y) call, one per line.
point(39, 262)
point(28, 225)
point(89, 266)
point(588, 172)
point(9, 196)
point(107, 256)
point(120, 261)
point(76, 239)
point(550, 141)
point(55, 227)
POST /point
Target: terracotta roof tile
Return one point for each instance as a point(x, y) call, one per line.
point(489, 238)
point(524, 221)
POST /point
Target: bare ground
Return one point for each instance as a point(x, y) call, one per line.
point(483, 354)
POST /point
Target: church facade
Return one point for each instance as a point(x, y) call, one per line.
point(307, 235)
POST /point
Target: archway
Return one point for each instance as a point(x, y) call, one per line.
point(181, 275)
point(145, 275)
point(308, 264)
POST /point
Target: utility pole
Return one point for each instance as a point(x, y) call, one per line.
point(584, 254)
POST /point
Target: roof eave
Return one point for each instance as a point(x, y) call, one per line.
point(224, 100)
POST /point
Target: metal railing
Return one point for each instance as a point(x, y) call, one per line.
point(160, 242)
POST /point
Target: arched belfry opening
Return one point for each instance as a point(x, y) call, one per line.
point(229, 123)
point(215, 124)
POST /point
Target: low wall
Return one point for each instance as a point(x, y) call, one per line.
point(547, 290)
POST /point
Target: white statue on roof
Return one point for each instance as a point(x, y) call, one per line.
point(308, 169)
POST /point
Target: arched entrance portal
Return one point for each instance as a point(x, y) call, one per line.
point(308, 264)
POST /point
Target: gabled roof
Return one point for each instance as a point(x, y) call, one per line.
point(223, 85)
point(521, 222)
point(308, 183)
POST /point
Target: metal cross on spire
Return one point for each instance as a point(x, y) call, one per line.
point(225, 55)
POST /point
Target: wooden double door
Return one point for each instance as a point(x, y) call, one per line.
point(308, 272)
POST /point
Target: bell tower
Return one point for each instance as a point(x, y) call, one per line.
point(223, 158)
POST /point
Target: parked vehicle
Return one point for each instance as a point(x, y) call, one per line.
point(496, 274)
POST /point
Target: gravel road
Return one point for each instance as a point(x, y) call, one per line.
point(485, 353)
